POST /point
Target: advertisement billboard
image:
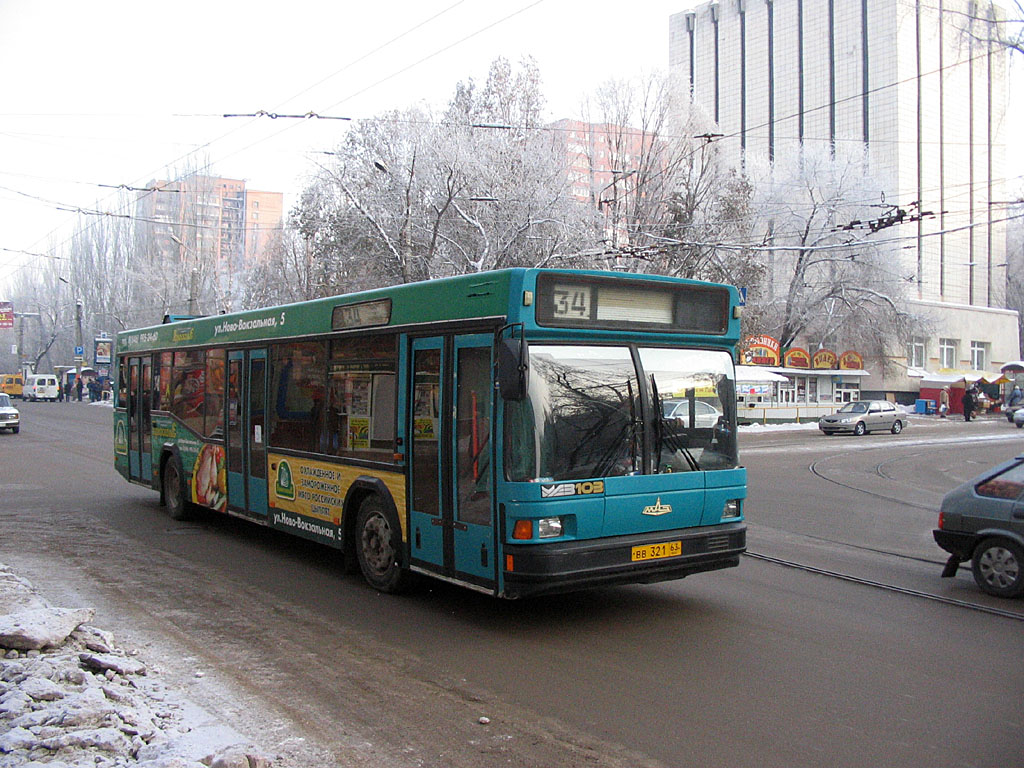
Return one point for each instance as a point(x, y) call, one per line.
point(101, 351)
point(6, 314)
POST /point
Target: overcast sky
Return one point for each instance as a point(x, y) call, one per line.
point(113, 92)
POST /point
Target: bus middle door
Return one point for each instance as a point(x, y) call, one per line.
point(451, 473)
point(246, 436)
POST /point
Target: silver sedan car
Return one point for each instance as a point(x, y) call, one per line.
point(862, 416)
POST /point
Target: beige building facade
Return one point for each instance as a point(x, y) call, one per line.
point(219, 219)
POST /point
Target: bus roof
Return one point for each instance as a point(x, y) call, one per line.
point(463, 297)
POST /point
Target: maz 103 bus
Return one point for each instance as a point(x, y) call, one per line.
point(517, 432)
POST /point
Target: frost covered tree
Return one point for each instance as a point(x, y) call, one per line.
point(673, 196)
point(826, 280)
point(413, 195)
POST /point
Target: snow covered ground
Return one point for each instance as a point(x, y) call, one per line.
point(70, 698)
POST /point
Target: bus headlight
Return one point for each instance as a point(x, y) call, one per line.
point(549, 527)
point(731, 508)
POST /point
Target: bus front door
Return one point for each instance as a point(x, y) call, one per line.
point(451, 473)
point(246, 432)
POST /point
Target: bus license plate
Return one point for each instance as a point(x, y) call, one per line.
point(656, 551)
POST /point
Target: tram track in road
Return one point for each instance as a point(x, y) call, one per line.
point(884, 469)
point(813, 468)
point(879, 468)
point(1002, 613)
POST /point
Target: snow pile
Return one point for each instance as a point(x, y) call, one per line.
point(788, 426)
point(69, 698)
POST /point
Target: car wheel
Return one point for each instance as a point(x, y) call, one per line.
point(897, 427)
point(997, 565)
point(379, 546)
point(15, 430)
point(174, 490)
point(1019, 424)
point(860, 429)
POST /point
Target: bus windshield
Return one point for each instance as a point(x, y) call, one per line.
point(584, 418)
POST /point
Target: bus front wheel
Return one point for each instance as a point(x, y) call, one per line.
point(174, 489)
point(378, 546)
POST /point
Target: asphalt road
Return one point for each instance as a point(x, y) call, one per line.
point(834, 642)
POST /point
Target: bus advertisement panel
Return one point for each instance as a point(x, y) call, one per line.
point(518, 432)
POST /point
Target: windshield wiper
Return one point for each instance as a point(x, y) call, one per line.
point(663, 436)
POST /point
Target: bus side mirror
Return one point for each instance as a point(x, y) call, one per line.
point(513, 371)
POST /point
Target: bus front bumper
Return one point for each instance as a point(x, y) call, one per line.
point(571, 565)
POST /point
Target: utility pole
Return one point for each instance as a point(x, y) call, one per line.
point(21, 339)
point(193, 288)
point(79, 345)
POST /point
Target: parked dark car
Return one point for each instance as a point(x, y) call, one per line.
point(862, 416)
point(983, 521)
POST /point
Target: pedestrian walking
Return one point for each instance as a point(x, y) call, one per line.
point(968, 403)
point(943, 402)
point(78, 386)
point(1016, 399)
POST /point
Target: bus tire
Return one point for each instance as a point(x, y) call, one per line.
point(173, 484)
point(379, 546)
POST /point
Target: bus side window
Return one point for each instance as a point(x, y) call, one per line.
point(361, 397)
point(166, 363)
point(122, 383)
point(188, 388)
point(215, 393)
point(297, 396)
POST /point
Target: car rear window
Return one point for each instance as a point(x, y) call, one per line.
point(1008, 484)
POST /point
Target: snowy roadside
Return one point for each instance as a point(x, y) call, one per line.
point(70, 698)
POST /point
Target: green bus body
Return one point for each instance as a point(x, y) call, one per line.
point(518, 432)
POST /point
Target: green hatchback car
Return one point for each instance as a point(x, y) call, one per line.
point(983, 521)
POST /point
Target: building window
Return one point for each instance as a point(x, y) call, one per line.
point(915, 353)
point(947, 353)
point(979, 355)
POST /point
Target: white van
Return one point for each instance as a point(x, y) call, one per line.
point(40, 386)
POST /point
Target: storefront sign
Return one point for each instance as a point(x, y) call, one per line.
point(797, 357)
point(851, 361)
point(6, 314)
point(761, 350)
point(825, 358)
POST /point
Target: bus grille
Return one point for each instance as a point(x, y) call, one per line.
point(718, 542)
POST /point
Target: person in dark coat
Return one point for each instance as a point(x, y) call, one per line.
point(968, 403)
point(78, 387)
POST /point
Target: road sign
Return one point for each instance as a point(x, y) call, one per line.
point(79, 351)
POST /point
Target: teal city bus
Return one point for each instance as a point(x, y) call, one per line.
point(517, 432)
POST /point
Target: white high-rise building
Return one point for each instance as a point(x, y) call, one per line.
point(917, 84)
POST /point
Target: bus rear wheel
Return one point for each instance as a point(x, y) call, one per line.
point(174, 489)
point(378, 546)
